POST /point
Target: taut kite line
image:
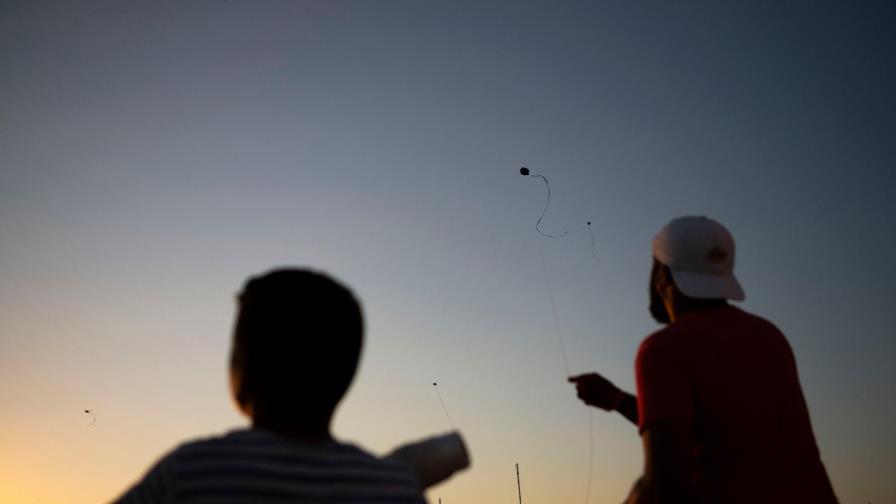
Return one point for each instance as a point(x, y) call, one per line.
point(435, 386)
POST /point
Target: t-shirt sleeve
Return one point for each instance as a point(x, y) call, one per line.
point(664, 390)
point(155, 487)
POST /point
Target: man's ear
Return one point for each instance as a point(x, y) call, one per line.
point(238, 392)
point(663, 281)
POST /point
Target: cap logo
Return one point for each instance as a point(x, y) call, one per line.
point(716, 255)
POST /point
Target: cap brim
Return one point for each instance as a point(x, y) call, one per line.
point(703, 286)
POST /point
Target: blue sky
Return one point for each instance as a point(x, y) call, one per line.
point(152, 156)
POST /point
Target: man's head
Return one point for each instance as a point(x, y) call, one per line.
point(296, 344)
point(693, 266)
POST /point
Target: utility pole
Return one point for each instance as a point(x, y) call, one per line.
point(518, 492)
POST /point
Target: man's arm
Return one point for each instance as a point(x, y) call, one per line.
point(595, 390)
point(668, 464)
point(628, 407)
point(155, 487)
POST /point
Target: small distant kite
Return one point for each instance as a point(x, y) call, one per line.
point(93, 419)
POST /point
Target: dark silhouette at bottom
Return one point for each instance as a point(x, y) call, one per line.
point(297, 340)
point(719, 407)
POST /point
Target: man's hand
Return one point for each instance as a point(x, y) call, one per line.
point(595, 390)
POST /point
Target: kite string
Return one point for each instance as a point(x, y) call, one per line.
point(545, 210)
point(566, 368)
point(547, 281)
point(436, 387)
point(590, 453)
point(593, 244)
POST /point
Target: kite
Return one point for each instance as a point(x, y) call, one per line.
point(547, 280)
point(93, 420)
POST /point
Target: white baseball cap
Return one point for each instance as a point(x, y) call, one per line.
point(700, 254)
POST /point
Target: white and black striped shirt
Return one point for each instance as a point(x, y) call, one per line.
point(251, 466)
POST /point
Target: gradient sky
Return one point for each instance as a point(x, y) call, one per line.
point(152, 156)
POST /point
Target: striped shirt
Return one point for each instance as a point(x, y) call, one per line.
point(251, 466)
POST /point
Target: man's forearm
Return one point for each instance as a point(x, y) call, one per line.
point(628, 407)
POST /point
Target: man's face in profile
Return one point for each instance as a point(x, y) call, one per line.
point(657, 308)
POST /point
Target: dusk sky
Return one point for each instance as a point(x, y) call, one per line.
point(153, 155)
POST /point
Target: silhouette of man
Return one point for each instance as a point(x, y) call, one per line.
point(719, 406)
point(296, 344)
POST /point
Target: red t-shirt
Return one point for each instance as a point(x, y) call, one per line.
point(733, 376)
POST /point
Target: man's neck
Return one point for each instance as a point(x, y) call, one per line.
point(304, 429)
point(684, 306)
